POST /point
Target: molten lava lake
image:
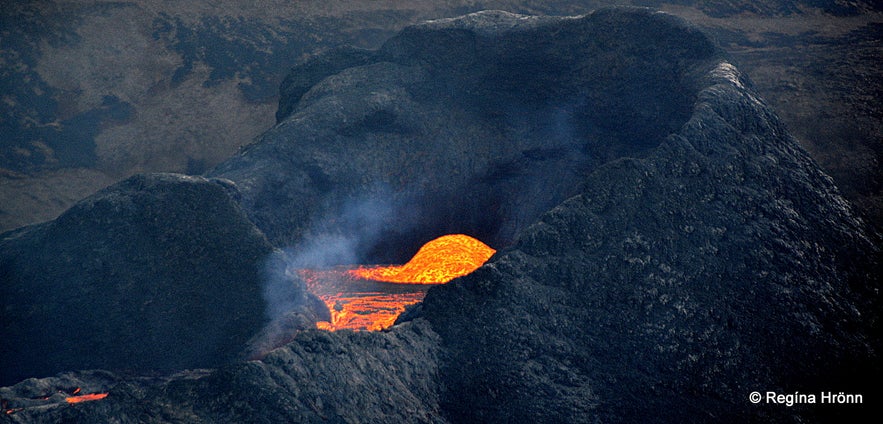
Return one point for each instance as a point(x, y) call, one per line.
point(372, 297)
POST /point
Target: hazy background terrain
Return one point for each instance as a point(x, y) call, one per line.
point(95, 91)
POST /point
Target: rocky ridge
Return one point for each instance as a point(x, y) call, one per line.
point(160, 272)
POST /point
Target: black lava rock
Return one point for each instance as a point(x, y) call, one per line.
point(158, 272)
point(722, 263)
point(345, 376)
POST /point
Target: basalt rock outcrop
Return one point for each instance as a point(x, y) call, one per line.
point(158, 272)
point(664, 245)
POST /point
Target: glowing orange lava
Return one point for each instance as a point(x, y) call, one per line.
point(358, 304)
point(437, 262)
point(70, 396)
point(371, 298)
point(371, 311)
point(85, 398)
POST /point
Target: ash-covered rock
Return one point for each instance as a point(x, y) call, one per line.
point(158, 272)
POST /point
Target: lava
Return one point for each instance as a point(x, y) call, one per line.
point(359, 304)
point(437, 262)
point(371, 311)
point(85, 398)
point(371, 298)
point(69, 396)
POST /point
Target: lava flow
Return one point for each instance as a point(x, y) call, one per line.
point(371, 298)
point(437, 262)
point(85, 398)
point(69, 396)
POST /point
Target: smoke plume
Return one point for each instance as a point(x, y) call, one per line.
point(343, 238)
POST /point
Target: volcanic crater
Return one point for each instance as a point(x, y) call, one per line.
point(466, 126)
point(664, 246)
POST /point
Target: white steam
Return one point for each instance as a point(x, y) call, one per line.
point(340, 239)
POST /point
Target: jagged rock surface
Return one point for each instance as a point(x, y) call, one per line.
point(158, 272)
point(699, 254)
point(723, 263)
point(319, 377)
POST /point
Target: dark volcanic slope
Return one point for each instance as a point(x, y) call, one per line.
point(158, 272)
point(699, 254)
point(468, 125)
point(722, 263)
